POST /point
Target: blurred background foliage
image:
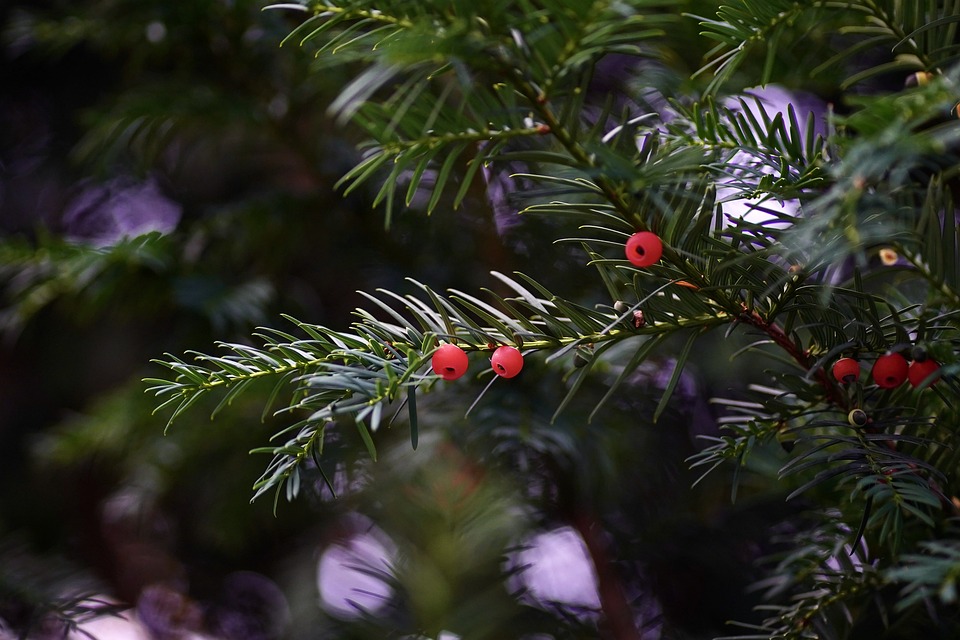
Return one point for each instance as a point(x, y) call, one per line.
point(167, 179)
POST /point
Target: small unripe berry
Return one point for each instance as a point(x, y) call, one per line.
point(846, 370)
point(890, 370)
point(888, 256)
point(506, 361)
point(920, 369)
point(644, 249)
point(857, 417)
point(918, 79)
point(449, 362)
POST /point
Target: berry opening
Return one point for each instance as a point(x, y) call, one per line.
point(643, 249)
point(506, 361)
point(449, 361)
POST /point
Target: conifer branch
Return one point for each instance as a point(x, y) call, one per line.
point(799, 355)
point(804, 281)
point(356, 374)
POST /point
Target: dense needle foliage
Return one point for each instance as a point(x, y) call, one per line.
point(793, 237)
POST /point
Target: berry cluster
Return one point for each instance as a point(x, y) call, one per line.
point(889, 371)
point(450, 361)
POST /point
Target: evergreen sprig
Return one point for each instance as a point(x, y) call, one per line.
point(932, 573)
point(919, 36)
point(862, 262)
point(360, 374)
point(37, 274)
point(461, 81)
point(716, 271)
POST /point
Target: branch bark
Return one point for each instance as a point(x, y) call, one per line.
point(617, 612)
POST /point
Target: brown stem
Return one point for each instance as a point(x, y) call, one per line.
point(795, 351)
point(618, 614)
point(781, 339)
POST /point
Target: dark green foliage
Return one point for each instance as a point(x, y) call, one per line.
point(879, 178)
point(791, 240)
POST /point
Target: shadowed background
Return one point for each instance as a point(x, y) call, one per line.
point(166, 180)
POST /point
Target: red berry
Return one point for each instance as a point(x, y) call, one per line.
point(449, 362)
point(846, 370)
point(920, 369)
point(890, 370)
point(644, 249)
point(506, 361)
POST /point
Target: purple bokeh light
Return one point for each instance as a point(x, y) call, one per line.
point(349, 574)
point(555, 569)
point(106, 213)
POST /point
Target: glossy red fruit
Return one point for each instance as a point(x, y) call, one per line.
point(449, 362)
point(506, 361)
point(644, 249)
point(920, 369)
point(846, 370)
point(890, 370)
